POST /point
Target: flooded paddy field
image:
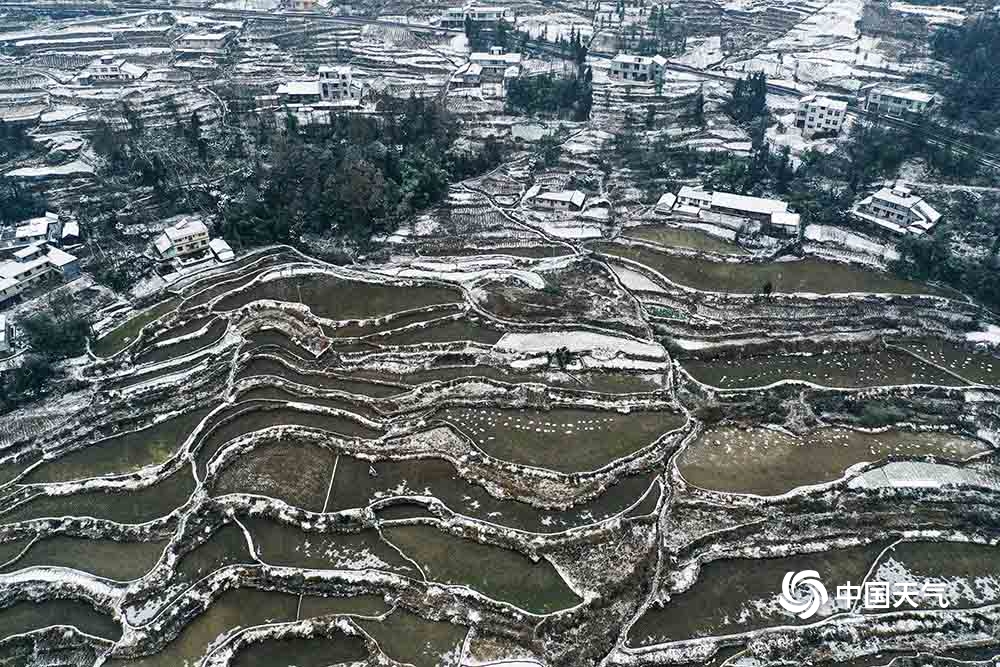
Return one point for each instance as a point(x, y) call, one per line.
point(297, 474)
point(679, 237)
point(11, 471)
point(531, 252)
point(496, 572)
point(563, 439)
point(353, 385)
point(226, 546)
point(975, 366)
point(359, 483)
point(240, 608)
point(391, 321)
point(806, 275)
point(171, 350)
point(738, 595)
point(121, 561)
point(283, 530)
point(312, 606)
point(970, 573)
point(27, 616)
point(281, 544)
point(411, 639)
point(172, 333)
point(312, 652)
point(118, 338)
point(832, 369)
point(121, 454)
point(203, 292)
point(266, 339)
point(338, 299)
point(769, 462)
point(180, 368)
point(273, 393)
point(244, 418)
point(443, 332)
point(136, 506)
point(610, 382)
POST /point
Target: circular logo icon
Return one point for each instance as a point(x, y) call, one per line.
point(794, 600)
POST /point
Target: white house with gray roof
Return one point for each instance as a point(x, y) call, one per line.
point(897, 101)
point(897, 210)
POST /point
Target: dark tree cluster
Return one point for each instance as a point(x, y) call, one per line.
point(57, 332)
point(13, 138)
point(973, 94)
point(354, 177)
point(666, 33)
point(749, 101)
point(17, 203)
point(570, 97)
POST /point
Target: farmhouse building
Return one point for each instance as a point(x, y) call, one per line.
point(897, 210)
point(818, 114)
point(185, 238)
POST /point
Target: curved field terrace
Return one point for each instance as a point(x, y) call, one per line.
point(530, 460)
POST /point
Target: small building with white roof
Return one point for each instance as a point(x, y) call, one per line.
point(897, 101)
point(221, 250)
point(468, 75)
point(818, 114)
point(35, 229)
point(628, 67)
point(187, 237)
point(496, 64)
point(563, 200)
point(774, 213)
point(108, 68)
point(205, 42)
point(336, 84)
point(299, 92)
point(897, 210)
point(454, 17)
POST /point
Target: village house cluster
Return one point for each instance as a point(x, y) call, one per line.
point(891, 209)
point(32, 255)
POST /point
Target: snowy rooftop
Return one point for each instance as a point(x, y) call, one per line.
point(221, 249)
point(32, 228)
point(574, 197)
point(628, 58)
point(15, 270)
point(299, 88)
point(749, 204)
point(205, 36)
point(185, 229)
point(507, 58)
point(688, 192)
point(904, 94)
point(59, 257)
point(827, 102)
